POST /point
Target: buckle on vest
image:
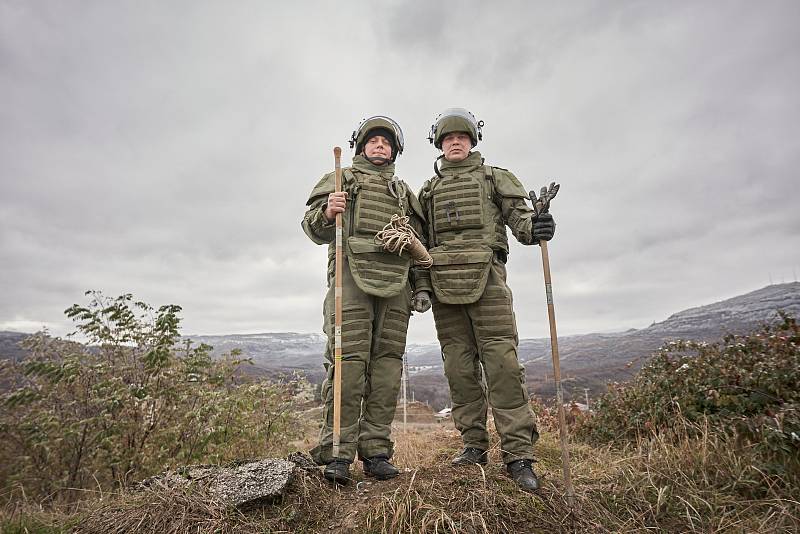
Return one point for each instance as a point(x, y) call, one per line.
point(451, 206)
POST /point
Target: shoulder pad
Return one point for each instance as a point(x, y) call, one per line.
point(427, 187)
point(327, 185)
point(507, 185)
point(415, 205)
point(425, 190)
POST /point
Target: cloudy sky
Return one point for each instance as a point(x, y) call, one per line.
point(166, 149)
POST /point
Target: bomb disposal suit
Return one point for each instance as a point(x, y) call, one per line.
point(376, 298)
point(468, 205)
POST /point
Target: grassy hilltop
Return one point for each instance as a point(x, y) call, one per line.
point(705, 438)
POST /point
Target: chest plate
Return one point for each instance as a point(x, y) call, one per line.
point(375, 271)
point(375, 205)
point(458, 203)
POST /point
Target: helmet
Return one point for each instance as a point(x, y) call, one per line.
point(455, 120)
point(359, 136)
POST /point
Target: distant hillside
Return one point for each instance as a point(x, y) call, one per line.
point(591, 360)
point(287, 350)
point(588, 360)
point(735, 313)
point(283, 352)
point(9, 345)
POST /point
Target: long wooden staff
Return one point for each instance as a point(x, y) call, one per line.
point(337, 332)
point(541, 205)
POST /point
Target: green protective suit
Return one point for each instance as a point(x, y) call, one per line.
point(376, 305)
point(468, 208)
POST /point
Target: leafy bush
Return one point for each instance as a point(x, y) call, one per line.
point(131, 402)
point(747, 387)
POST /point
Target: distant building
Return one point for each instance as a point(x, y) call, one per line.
point(446, 413)
point(416, 412)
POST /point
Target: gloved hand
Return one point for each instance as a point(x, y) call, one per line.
point(422, 301)
point(543, 228)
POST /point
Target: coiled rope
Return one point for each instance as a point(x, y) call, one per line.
point(398, 236)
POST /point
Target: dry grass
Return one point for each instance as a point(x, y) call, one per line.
point(163, 510)
point(680, 484)
point(706, 483)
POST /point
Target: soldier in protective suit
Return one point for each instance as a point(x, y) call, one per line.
point(377, 292)
point(468, 205)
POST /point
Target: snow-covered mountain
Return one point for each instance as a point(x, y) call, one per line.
point(735, 313)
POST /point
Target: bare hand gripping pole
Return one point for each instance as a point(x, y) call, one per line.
point(337, 335)
point(541, 205)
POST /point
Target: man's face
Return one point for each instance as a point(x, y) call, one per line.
point(456, 146)
point(378, 147)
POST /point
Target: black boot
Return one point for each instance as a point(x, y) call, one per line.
point(523, 475)
point(470, 456)
point(338, 471)
point(380, 468)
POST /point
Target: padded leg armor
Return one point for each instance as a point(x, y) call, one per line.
point(481, 339)
point(373, 342)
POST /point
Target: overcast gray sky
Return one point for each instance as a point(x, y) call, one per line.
point(166, 149)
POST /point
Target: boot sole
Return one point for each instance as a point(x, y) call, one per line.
point(523, 488)
point(380, 477)
point(335, 478)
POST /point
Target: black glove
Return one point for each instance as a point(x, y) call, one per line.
point(422, 301)
point(543, 228)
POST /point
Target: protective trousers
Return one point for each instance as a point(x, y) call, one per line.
point(480, 340)
point(373, 342)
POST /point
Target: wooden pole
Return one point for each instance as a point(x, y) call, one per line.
point(337, 333)
point(540, 205)
point(405, 393)
point(562, 420)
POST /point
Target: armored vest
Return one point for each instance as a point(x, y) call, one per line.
point(465, 227)
point(372, 200)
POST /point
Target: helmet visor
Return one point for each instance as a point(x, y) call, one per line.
point(455, 120)
point(379, 121)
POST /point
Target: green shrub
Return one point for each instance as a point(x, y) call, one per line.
point(746, 387)
point(29, 526)
point(132, 401)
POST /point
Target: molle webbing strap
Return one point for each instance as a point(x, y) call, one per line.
point(398, 189)
point(375, 206)
point(350, 184)
point(350, 181)
point(457, 204)
point(395, 327)
point(489, 171)
point(429, 215)
point(386, 272)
